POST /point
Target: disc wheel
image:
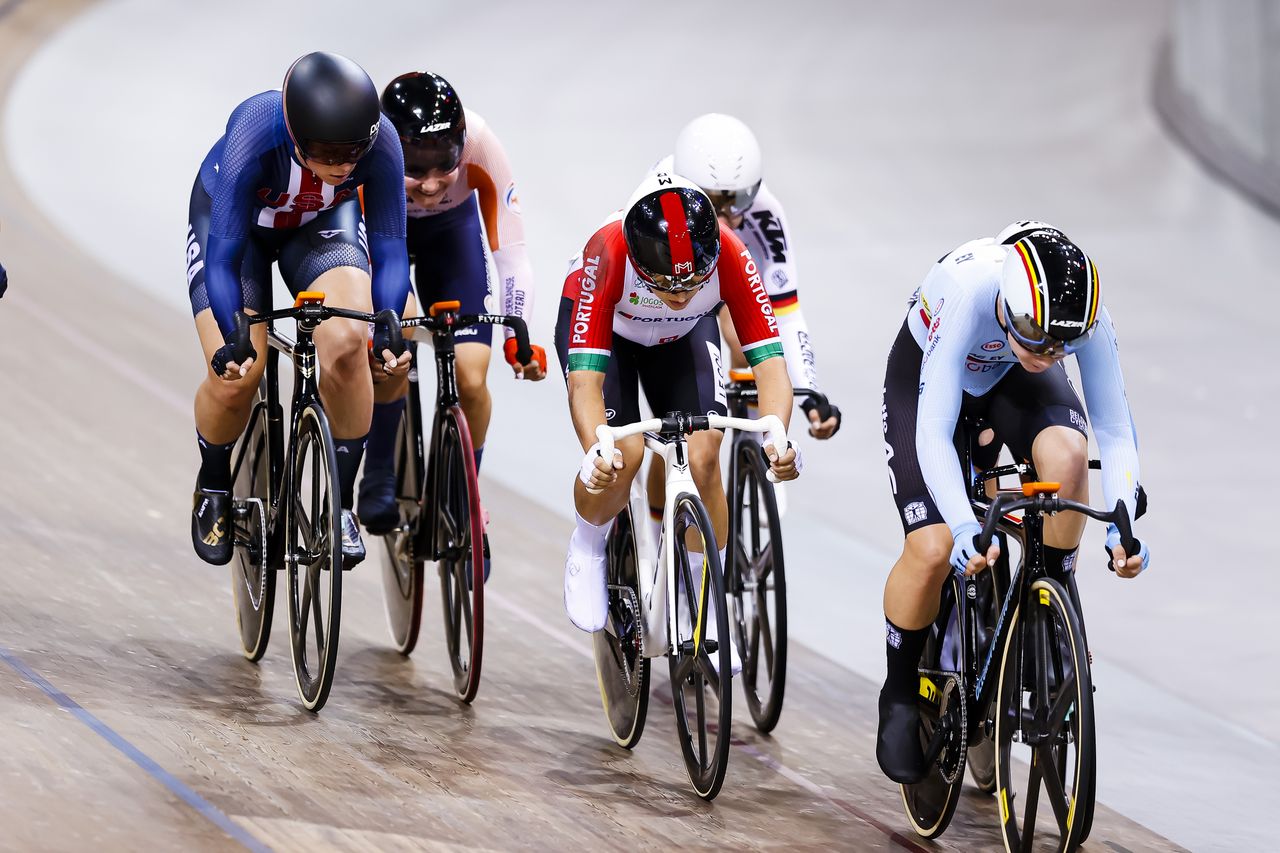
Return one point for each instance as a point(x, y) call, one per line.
point(459, 538)
point(1044, 723)
point(253, 576)
point(758, 587)
point(621, 667)
point(313, 556)
point(701, 684)
point(402, 561)
point(931, 803)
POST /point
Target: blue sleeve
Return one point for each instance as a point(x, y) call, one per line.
point(1109, 414)
point(941, 389)
point(385, 215)
point(4, 280)
point(251, 132)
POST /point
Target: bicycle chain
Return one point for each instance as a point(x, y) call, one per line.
point(632, 602)
point(952, 687)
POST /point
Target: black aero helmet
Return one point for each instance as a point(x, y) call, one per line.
point(672, 234)
point(1050, 291)
point(330, 108)
point(430, 120)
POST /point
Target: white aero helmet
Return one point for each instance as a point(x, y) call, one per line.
point(1015, 231)
point(720, 154)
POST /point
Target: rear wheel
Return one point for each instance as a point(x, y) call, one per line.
point(402, 562)
point(459, 537)
point(702, 690)
point(253, 577)
point(1044, 723)
point(757, 586)
point(313, 556)
point(931, 803)
point(621, 667)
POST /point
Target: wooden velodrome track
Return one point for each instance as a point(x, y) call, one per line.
point(129, 721)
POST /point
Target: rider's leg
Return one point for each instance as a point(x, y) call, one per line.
point(473, 391)
point(377, 498)
point(585, 595)
point(656, 488)
point(346, 387)
point(221, 411)
point(1061, 455)
point(704, 465)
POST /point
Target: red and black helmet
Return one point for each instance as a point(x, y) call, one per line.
point(672, 234)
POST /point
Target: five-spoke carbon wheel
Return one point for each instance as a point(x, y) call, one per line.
point(1044, 723)
point(701, 682)
point(313, 557)
point(758, 587)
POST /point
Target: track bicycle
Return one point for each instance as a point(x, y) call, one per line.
point(286, 505)
point(644, 579)
point(439, 499)
point(1006, 673)
point(756, 576)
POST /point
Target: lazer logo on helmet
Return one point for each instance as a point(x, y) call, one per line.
point(1068, 324)
point(436, 128)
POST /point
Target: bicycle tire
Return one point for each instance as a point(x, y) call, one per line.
point(622, 670)
point(314, 522)
point(1051, 634)
point(460, 549)
point(931, 803)
point(253, 576)
point(403, 566)
point(692, 672)
point(757, 583)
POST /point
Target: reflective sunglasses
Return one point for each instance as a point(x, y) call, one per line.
point(335, 153)
point(1035, 340)
point(730, 203)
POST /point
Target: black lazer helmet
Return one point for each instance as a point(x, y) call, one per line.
point(429, 118)
point(672, 233)
point(330, 108)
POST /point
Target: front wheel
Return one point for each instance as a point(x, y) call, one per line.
point(1044, 722)
point(402, 560)
point(313, 556)
point(758, 586)
point(701, 682)
point(459, 538)
point(622, 670)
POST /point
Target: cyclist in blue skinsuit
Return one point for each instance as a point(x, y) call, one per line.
point(985, 336)
point(284, 185)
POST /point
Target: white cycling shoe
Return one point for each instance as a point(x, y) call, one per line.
point(586, 595)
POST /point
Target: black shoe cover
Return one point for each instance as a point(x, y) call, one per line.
point(211, 526)
point(898, 742)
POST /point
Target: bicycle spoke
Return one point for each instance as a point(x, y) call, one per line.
point(766, 632)
point(1033, 801)
point(700, 713)
point(1053, 785)
point(304, 606)
point(1058, 711)
point(313, 579)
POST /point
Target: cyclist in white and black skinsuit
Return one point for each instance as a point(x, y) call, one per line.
point(720, 154)
point(985, 336)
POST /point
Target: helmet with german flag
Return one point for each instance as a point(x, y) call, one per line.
point(1049, 289)
point(672, 234)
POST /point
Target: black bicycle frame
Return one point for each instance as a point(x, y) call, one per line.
point(1029, 531)
point(445, 326)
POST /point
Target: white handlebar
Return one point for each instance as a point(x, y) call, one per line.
point(771, 425)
